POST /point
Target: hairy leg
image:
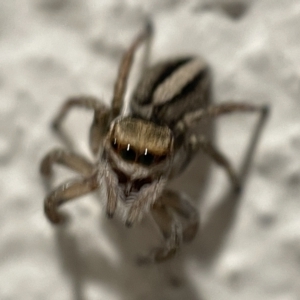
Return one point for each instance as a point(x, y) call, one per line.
point(148, 46)
point(66, 192)
point(112, 188)
point(171, 230)
point(100, 122)
point(200, 142)
point(66, 158)
point(165, 213)
point(143, 201)
point(193, 118)
point(98, 130)
point(183, 208)
point(125, 67)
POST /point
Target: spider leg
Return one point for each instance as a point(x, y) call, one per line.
point(99, 125)
point(98, 129)
point(147, 195)
point(183, 207)
point(165, 212)
point(68, 159)
point(66, 192)
point(148, 46)
point(202, 143)
point(113, 190)
point(125, 67)
point(171, 231)
point(193, 118)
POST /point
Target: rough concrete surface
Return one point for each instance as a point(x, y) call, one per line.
point(249, 246)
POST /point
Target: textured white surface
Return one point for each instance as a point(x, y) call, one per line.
point(51, 49)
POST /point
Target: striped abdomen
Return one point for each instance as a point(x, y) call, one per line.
point(170, 89)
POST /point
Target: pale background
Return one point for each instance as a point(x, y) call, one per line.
point(250, 247)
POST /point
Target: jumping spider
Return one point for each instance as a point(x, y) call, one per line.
point(136, 155)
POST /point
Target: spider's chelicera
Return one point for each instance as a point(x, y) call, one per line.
point(136, 155)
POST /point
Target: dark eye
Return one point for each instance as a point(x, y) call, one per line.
point(146, 159)
point(114, 144)
point(128, 154)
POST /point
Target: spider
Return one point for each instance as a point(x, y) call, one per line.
point(137, 154)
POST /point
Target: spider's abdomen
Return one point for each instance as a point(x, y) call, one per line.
point(170, 89)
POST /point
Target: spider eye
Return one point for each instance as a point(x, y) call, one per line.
point(146, 159)
point(114, 144)
point(128, 154)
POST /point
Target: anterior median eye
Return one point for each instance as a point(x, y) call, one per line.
point(128, 154)
point(114, 144)
point(146, 159)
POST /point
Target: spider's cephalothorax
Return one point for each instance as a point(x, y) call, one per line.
point(137, 154)
point(141, 147)
point(136, 159)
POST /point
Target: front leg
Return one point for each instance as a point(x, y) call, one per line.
point(67, 192)
point(143, 200)
point(172, 233)
point(183, 207)
point(114, 192)
point(165, 213)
